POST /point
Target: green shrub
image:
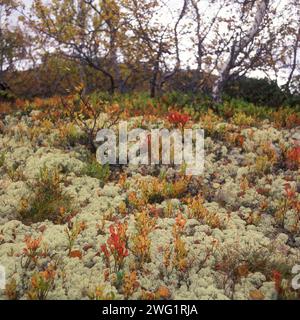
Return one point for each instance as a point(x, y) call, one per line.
point(70, 135)
point(95, 170)
point(48, 200)
point(6, 96)
point(261, 92)
point(196, 101)
point(232, 106)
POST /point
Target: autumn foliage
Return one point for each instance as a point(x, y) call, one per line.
point(116, 245)
point(178, 119)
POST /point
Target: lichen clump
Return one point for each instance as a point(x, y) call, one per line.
point(73, 229)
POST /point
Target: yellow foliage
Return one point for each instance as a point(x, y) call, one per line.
point(197, 210)
point(242, 120)
point(141, 241)
point(262, 165)
point(130, 284)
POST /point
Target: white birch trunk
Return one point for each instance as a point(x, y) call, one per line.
point(237, 47)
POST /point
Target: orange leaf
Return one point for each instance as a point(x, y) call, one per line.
point(76, 254)
point(163, 292)
point(243, 270)
point(256, 295)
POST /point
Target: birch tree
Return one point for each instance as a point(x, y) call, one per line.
point(156, 39)
point(205, 16)
point(240, 42)
point(292, 43)
point(87, 31)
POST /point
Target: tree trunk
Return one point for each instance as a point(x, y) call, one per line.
point(152, 88)
point(236, 49)
point(115, 64)
point(153, 81)
point(294, 63)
